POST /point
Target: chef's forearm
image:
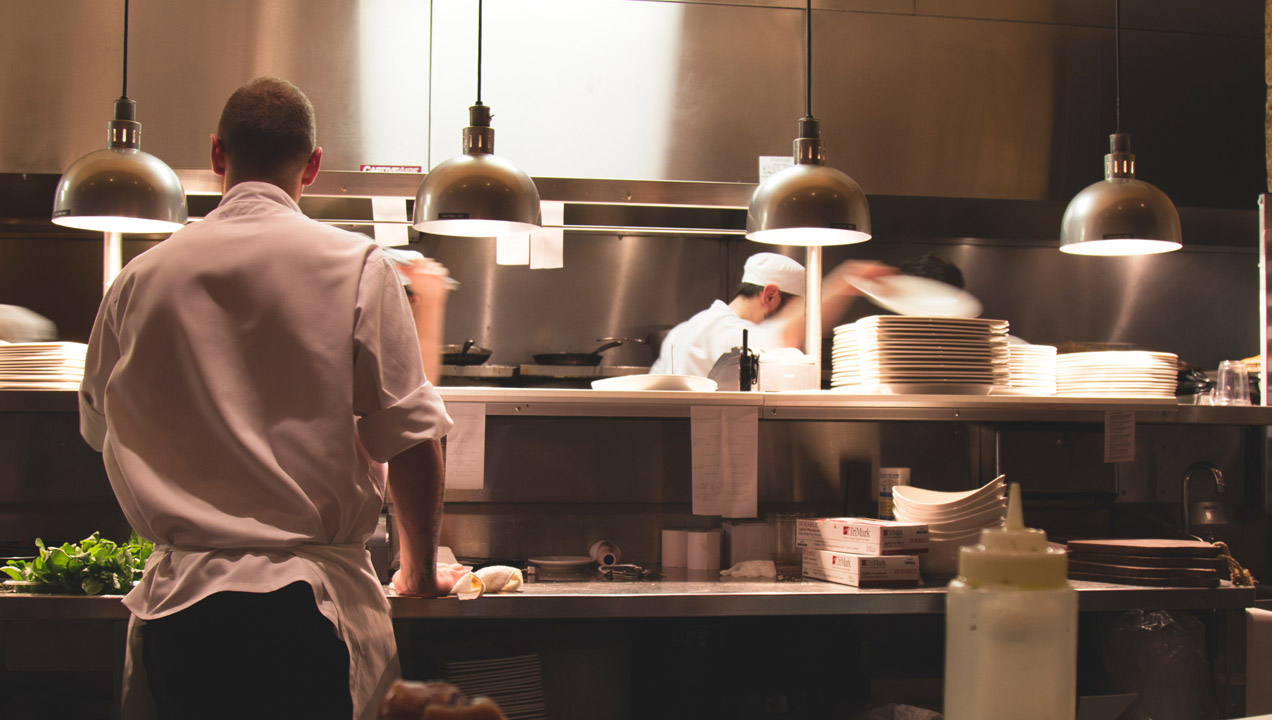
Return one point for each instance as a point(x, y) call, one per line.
point(415, 486)
point(429, 323)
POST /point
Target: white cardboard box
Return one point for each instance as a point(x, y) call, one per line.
point(862, 570)
point(862, 536)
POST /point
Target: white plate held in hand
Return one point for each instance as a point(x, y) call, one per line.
point(913, 295)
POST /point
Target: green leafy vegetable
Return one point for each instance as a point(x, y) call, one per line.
point(93, 566)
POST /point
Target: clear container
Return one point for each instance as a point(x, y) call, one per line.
point(1011, 628)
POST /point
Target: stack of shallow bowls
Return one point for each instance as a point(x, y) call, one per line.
point(954, 519)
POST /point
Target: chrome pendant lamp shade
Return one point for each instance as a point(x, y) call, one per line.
point(121, 189)
point(808, 203)
point(1120, 215)
point(477, 194)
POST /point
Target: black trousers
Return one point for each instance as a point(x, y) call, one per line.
point(248, 655)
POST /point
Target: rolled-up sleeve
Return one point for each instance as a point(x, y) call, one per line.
point(396, 406)
point(99, 361)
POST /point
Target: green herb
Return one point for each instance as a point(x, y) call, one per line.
point(93, 566)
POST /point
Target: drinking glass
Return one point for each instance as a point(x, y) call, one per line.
point(1233, 386)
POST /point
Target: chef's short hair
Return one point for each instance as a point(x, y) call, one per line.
point(750, 290)
point(267, 129)
point(933, 267)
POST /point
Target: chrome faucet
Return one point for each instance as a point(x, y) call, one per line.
point(1215, 512)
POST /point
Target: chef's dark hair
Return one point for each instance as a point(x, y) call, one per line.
point(267, 129)
point(750, 290)
point(933, 267)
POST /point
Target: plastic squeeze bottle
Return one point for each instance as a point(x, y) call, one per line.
point(1011, 627)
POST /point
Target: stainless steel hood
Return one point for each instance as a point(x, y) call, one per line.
point(956, 98)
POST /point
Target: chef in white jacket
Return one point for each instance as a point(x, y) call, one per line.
point(251, 381)
point(768, 304)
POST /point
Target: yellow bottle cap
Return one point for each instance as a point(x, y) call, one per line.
point(1013, 556)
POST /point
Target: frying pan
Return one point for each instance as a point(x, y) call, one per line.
point(573, 358)
point(466, 354)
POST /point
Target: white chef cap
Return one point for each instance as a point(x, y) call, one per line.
point(772, 269)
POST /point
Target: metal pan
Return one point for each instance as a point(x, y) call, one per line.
point(466, 354)
point(578, 359)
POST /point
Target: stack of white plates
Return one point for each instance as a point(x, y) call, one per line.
point(1117, 373)
point(908, 354)
point(954, 519)
point(1033, 370)
point(845, 364)
point(514, 683)
point(41, 366)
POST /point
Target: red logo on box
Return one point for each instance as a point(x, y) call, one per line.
point(391, 168)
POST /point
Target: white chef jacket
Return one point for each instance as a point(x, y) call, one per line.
point(246, 380)
point(693, 346)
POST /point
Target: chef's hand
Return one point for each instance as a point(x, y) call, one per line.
point(445, 576)
point(429, 283)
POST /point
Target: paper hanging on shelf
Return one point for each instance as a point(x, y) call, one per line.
point(547, 246)
point(512, 249)
point(724, 460)
point(389, 214)
point(466, 447)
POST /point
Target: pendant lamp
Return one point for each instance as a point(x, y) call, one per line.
point(1120, 215)
point(121, 189)
point(477, 194)
point(808, 203)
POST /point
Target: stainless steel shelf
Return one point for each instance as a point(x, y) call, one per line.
point(582, 402)
point(668, 599)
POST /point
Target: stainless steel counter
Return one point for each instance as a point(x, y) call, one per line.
point(812, 405)
point(667, 599)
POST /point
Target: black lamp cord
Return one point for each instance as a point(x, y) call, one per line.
point(125, 92)
point(1117, 62)
point(808, 59)
point(478, 52)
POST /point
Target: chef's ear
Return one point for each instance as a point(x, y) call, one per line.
point(218, 156)
point(311, 168)
point(772, 295)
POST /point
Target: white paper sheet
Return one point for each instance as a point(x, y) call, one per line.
point(512, 249)
point(466, 447)
point(724, 460)
point(1119, 436)
point(547, 246)
point(387, 212)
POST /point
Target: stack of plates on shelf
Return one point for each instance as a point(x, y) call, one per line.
point(908, 354)
point(1151, 562)
point(1117, 373)
point(954, 519)
point(41, 366)
point(844, 362)
point(1033, 370)
point(514, 683)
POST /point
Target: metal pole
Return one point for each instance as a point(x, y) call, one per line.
point(112, 258)
point(812, 308)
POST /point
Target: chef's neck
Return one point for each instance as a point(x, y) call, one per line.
point(751, 309)
point(292, 187)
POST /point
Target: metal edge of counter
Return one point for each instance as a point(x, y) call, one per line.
point(583, 600)
point(783, 406)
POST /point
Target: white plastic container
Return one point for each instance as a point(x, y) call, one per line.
point(1011, 628)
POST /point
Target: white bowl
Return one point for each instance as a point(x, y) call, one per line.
point(941, 559)
point(935, 499)
point(972, 534)
point(995, 509)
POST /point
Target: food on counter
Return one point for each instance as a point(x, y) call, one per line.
point(93, 566)
point(435, 700)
